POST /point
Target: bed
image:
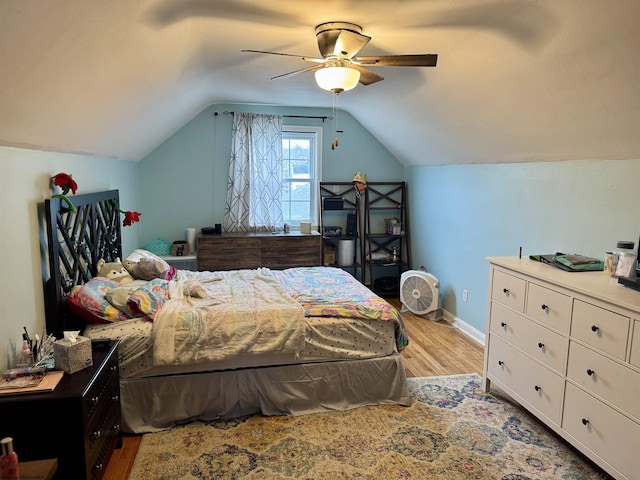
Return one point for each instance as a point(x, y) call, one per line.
point(209, 345)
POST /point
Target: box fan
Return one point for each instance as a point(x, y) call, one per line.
point(419, 292)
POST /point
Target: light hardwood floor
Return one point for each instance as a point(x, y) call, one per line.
point(435, 348)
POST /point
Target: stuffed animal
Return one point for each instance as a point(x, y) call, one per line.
point(114, 271)
point(147, 268)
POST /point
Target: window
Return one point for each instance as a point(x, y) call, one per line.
point(301, 164)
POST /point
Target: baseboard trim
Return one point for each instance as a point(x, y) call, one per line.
point(464, 327)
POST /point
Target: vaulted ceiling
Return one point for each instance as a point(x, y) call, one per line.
point(516, 80)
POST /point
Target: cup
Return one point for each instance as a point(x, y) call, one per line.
point(610, 263)
point(218, 228)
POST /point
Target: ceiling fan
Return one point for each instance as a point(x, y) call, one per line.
point(340, 67)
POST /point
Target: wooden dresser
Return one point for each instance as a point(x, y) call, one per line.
point(566, 346)
point(78, 423)
point(253, 250)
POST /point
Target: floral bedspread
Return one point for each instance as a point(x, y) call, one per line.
point(332, 292)
point(215, 317)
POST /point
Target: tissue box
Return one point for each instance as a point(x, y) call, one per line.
point(305, 227)
point(393, 226)
point(72, 356)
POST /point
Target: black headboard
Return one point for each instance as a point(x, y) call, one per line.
point(76, 241)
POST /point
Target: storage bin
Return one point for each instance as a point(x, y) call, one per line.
point(346, 252)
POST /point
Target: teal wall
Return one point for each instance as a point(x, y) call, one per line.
point(26, 176)
point(461, 214)
point(183, 183)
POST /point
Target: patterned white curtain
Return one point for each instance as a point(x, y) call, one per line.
point(254, 196)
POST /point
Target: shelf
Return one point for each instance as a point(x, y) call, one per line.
point(381, 200)
point(332, 217)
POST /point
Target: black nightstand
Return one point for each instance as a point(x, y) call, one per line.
point(78, 423)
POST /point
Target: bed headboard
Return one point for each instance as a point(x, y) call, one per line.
point(76, 241)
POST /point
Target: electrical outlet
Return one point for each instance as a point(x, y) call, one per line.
point(465, 295)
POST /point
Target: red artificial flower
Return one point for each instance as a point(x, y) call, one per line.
point(130, 218)
point(64, 181)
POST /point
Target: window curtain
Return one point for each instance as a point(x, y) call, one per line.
point(254, 195)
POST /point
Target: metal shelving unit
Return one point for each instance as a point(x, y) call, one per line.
point(382, 269)
point(343, 195)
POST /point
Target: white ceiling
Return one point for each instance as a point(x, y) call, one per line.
point(516, 80)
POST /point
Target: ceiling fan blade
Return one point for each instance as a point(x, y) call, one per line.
point(367, 77)
point(340, 39)
point(426, 60)
point(296, 72)
point(303, 57)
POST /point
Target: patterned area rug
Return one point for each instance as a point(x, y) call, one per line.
point(451, 431)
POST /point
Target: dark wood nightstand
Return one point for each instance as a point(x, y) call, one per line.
point(78, 423)
point(38, 469)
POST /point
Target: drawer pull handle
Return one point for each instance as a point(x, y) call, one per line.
point(537, 388)
point(590, 372)
point(500, 362)
point(503, 325)
point(540, 345)
point(594, 328)
point(585, 421)
point(545, 307)
point(506, 291)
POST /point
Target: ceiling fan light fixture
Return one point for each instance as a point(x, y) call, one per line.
point(337, 79)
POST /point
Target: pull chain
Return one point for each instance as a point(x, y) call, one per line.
point(334, 106)
point(336, 109)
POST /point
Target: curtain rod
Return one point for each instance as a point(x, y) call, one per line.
point(323, 118)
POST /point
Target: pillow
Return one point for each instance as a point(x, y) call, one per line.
point(119, 296)
point(149, 299)
point(88, 301)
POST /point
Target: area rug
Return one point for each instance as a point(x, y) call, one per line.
point(452, 430)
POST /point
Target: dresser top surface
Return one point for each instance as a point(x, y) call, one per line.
point(594, 284)
point(294, 233)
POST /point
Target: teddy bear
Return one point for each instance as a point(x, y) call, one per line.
point(114, 271)
point(146, 268)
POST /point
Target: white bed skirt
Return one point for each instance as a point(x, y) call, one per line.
point(157, 403)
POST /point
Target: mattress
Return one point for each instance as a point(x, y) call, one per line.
point(326, 339)
point(343, 320)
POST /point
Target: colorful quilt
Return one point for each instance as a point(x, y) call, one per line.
point(333, 292)
point(241, 311)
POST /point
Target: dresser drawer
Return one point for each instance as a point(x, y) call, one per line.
point(541, 343)
point(600, 328)
point(536, 385)
point(607, 433)
point(617, 384)
point(294, 251)
point(635, 345)
point(508, 290)
point(549, 307)
point(220, 252)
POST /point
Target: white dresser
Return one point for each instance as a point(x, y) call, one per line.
point(566, 346)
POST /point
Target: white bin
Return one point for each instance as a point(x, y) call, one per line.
point(346, 252)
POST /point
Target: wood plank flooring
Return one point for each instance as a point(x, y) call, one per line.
point(435, 348)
